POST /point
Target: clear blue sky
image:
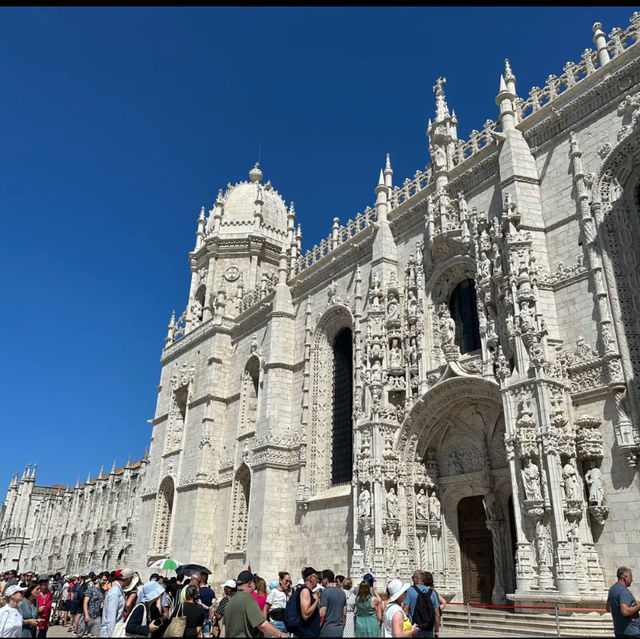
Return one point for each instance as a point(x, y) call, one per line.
point(119, 123)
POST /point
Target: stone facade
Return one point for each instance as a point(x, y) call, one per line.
point(491, 307)
point(58, 528)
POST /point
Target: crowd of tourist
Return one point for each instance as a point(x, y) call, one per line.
point(117, 603)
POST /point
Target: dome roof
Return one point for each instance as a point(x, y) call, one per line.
point(239, 204)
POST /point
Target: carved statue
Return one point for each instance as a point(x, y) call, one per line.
point(596, 486)
point(422, 505)
point(434, 507)
point(364, 503)
point(484, 266)
point(447, 326)
point(531, 480)
point(395, 354)
point(454, 465)
point(376, 372)
point(392, 503)
point(545, 546)
point(412, 303)
point(413, 351)
point(572, 483)
point(527, 317)
point(392, 307)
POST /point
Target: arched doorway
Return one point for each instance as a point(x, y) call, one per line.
point(476, 551)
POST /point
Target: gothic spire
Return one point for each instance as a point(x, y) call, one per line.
point(442, 109)
point(388, 172)
point(113, 468)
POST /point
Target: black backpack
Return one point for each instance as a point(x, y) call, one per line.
point(292, 614)
point(424, 615)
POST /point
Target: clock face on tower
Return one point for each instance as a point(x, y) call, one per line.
point(232, 274)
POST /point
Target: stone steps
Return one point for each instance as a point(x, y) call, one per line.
point(500, 622)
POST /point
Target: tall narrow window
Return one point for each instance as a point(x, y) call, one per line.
point(464, 310)
point(240, 513)
point(162, 519)
point(250, 387)
point(342, 444)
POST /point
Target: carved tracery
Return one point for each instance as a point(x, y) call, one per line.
point(162, 517)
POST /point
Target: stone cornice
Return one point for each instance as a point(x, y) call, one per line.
point(195, 336)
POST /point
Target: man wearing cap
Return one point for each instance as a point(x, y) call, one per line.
point(229, 589)
point(242, 615)
point(45, 599)
point(309, 604)
point(113, 609)
point(10, 618)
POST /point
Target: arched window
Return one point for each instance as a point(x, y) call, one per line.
point(240, 511)
point(162, 519)
point(342, 440)
point(464, 310)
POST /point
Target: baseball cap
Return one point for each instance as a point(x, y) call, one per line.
point(307, 572)
point(11, 590)
point(369, 577)
point(245, 577)
point(229, 583)
point(92, 575)
point(42, 578)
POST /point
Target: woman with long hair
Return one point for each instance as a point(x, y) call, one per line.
point(260, 594)
point(277, 601)
point(368, 611)
point(28, 608)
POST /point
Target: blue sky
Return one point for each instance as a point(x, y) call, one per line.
point(119, 123)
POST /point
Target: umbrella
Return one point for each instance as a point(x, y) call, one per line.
point(164, 564)
point(190, 569)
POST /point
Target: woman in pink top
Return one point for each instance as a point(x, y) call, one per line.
point(260, 593)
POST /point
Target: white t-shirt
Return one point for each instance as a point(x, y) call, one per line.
point(10, 622)
point(277, 599)
point(387, 623)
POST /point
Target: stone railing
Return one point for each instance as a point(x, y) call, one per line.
point(258, 293)
point(339, 235)
point(619, 40)
point(477, 140)
point(409, 188)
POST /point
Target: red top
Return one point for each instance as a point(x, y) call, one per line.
point(45, 600)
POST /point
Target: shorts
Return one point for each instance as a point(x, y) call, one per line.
point(68, 604)
point(75, 607)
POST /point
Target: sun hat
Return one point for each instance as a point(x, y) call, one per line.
point(11, 590)
point(395, 588)
point(150, 591)
point(229, 583)
point(273, 584)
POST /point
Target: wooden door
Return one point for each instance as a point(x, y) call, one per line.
point(476, 551)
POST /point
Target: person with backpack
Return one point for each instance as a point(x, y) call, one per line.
point(395, 622)
point(422, 604)
point(302, 614)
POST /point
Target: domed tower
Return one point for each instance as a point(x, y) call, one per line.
point(237, 250)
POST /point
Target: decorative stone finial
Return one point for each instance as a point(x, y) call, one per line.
point(255, 175)
point(113, 468)
point(442, 110)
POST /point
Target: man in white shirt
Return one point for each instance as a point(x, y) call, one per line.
point(113, 609)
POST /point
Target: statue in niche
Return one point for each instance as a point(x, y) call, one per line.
point(531, 480)
point(376, 373)
point(364, 503)
point(392, 504)
point(527, 317)
point(439, 158)
point(447, 326)
point(434, 507)
point(596, 486)
point(413, 350)
point(395, 354)
point(484, 266)
point(422, 505)
point(545, 545)
point(454, 464)
point(388, 449)
point(572, 483)
point(392, 307)
point(412, 303)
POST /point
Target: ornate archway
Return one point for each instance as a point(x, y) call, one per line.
point(452, 444)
